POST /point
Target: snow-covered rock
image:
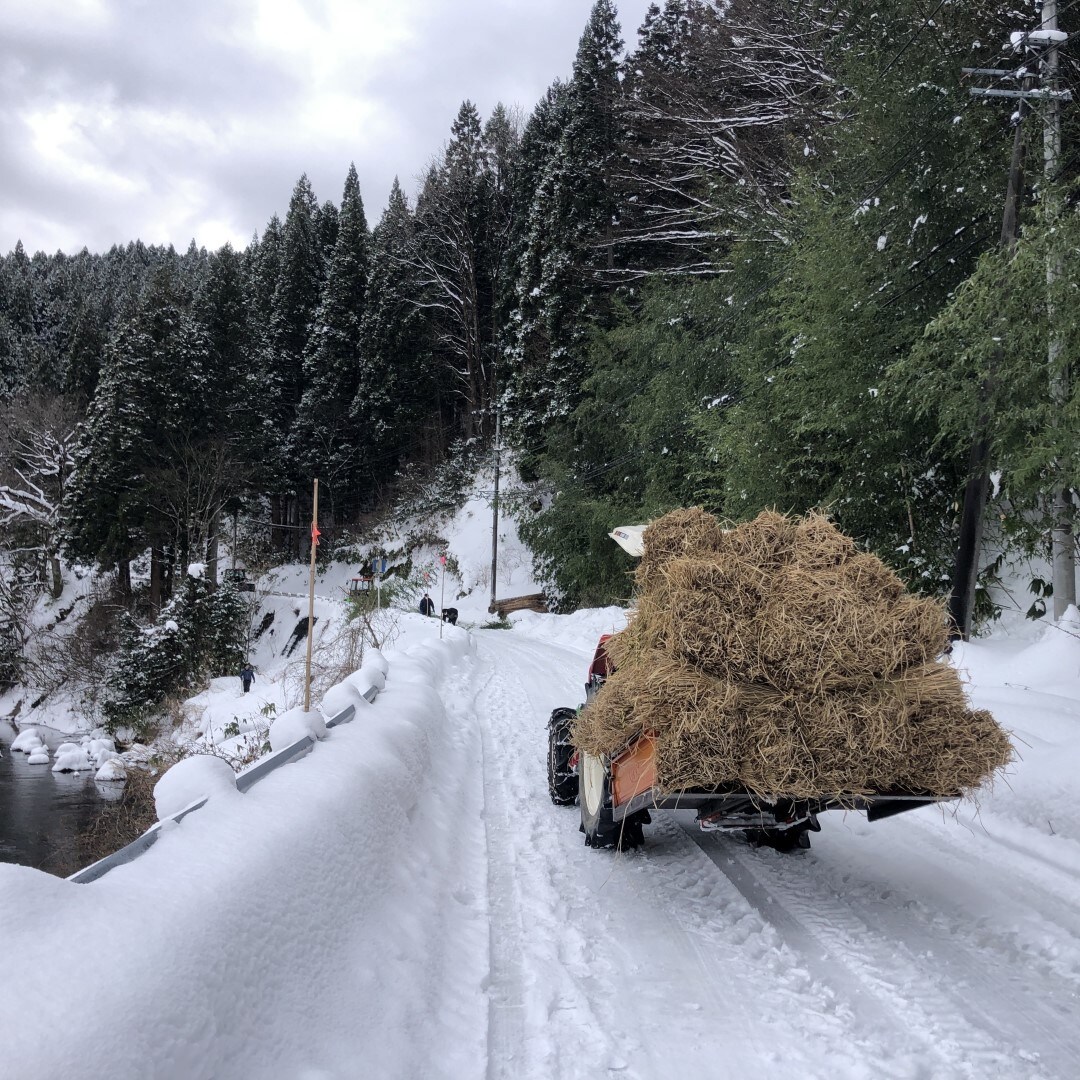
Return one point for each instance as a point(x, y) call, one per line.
point(111, 771)
point(38, 756)
point(27, 741)
point(95, 747)
point(292, 726)
point(136, 754)
point(72, 760)
point(194, 778)
point(68, 747)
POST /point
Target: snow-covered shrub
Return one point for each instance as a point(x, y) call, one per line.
point(198, 634)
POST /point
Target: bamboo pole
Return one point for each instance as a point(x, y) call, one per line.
point(311, 596)
point(442, 594)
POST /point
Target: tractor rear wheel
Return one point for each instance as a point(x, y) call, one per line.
point(562, 780)
point(597, 822)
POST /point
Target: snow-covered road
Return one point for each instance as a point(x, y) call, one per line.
point(405, 903)
point(920, 946)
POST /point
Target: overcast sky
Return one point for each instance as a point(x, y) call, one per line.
point(167, 120)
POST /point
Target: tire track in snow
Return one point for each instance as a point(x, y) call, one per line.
point(862, 948)
point(646, 964)
point(522, 1006)
point(1047, 887)
point(506, 1007)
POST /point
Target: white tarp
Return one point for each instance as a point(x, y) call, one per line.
point(630, 538)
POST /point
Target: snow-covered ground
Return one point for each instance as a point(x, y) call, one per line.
point(279, 603)
point(406, 902)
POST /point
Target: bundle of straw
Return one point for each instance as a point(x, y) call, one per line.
point(777, 658)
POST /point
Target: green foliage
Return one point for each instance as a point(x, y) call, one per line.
point(199, 634)
point(983, 362)
point(629, 450)
point(574, 553)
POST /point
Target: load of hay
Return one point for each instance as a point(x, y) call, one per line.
point(779, 659)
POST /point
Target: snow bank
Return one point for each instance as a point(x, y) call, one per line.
point(580, 630)
point(292, 726)
point(340, 697)
point(264, 935)
point(1053, 660)
point(194, 778)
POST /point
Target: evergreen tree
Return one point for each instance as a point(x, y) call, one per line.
point(455, 262)
point(569, 226)
point(281, 368)
point(324, 437)
point(198, 635)
point(397, 388)
point(327, 223)
point(85, 349)
point(151, 397)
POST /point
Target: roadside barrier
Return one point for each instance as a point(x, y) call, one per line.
point(244, 782)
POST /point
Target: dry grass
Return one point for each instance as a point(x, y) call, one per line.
point(114, 826)
point(779, 659)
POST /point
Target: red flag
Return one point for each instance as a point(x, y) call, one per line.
point(315, 534)
point(442, 559)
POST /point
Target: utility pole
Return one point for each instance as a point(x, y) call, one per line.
point(977, 488)
point(976, 492)
point(311, 595)
point(1062, 544)
point(495, 508)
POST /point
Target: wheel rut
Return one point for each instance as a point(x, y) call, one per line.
point(968, 1011)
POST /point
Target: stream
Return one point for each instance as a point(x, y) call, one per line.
point(42, 812)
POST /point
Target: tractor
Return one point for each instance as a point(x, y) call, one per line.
point(616, 794)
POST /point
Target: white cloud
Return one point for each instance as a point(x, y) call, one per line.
point(121, 119)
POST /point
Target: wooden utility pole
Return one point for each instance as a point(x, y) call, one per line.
point(495, 510)
point(311, 595)
point(1062, 543)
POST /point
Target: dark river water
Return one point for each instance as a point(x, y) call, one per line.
point(42, 812)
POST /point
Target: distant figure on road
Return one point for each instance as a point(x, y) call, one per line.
point(427, 605)
point(449, 614)
point(247, 677)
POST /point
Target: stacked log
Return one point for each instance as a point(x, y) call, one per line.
point(531, 602)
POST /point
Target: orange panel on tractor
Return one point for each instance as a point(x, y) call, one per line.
point(634, 770)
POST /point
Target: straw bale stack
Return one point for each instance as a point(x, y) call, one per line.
point(779, 659)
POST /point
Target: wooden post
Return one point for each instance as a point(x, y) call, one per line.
point(311, 595)
point(442, 594)
point(495, 510)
